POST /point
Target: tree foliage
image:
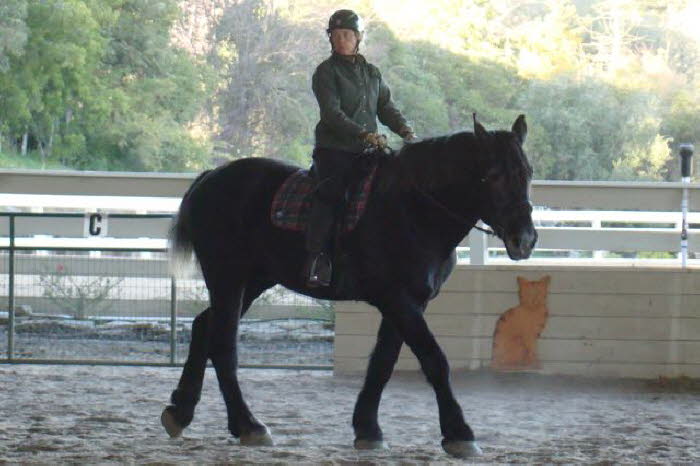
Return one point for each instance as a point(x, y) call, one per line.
point(97, 85)
point(13, 30)
point(610, 87)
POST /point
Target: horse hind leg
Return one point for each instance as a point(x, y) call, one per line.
point(368, 434)
point(184, 399)
point(226, 304)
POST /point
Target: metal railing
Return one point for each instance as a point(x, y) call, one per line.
point(71, 298)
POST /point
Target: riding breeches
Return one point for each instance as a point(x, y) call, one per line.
point(330, 167)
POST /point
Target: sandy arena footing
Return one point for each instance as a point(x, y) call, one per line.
point(86, 414)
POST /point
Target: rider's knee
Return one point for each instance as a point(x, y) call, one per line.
point(330, 190)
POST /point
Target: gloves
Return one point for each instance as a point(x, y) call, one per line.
point(406, 132)
point(374, 140)
point(409, 138)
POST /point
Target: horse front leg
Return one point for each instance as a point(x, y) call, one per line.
point(368, 434)
point(407, 316)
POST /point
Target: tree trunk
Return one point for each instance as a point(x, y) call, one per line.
point(49, 147)
point(25, 138)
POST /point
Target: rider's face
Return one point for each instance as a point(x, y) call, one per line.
point(344, 41)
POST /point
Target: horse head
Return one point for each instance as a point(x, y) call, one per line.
point(504, 184)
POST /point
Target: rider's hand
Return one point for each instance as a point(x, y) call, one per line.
point(407, 134)
point(374, 140)
point(409, 138)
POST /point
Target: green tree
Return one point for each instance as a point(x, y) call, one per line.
point(584, 130)
point(608, 86)
point(43, 85)
point(153, 90)
point(99, 86)
point(13, 30)
point(265, 105)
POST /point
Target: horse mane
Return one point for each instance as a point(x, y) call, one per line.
point(432, 162)
point(436, 162)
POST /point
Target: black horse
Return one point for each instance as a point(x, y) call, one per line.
point(423, 203)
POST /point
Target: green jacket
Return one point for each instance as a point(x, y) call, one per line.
point(351, 96)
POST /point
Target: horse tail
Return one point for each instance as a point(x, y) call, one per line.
point(180, 246)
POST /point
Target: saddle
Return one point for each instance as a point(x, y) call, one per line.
point(291, 204)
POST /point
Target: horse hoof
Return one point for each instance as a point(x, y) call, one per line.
point(257, 439)
point(363, 444)
point(461, 449)
point(167, 419)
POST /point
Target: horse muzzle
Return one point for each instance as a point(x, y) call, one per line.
point(519, 245)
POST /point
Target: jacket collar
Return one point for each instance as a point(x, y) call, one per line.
point(359, 59)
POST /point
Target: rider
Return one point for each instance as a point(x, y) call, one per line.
point(351, 95)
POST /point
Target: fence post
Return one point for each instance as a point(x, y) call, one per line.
point(173, 320)
point(597, 224)
point(11, 294)
point(686, 151)
point(478, 247)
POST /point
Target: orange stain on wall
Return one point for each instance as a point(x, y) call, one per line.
point(518, 329)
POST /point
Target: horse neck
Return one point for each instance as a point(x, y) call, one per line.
point(443, 168)
point(433, 173)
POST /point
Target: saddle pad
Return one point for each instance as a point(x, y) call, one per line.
point(291, 204)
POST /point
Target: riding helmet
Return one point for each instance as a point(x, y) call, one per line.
point(345, 19)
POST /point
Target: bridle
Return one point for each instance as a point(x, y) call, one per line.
point(489, 231)
point(451, 214)
point(387, 151)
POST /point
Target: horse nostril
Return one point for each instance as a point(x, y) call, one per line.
point(534, 241)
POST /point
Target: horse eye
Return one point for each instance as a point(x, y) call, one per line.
point(492, 177)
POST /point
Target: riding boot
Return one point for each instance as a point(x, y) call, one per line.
point(319, 264)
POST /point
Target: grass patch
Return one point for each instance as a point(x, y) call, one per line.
point(32, 161)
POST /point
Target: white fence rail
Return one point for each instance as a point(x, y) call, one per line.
point(578, 216)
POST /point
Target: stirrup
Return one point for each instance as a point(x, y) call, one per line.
point(320, 272)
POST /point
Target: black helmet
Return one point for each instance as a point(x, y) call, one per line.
point(345, 19)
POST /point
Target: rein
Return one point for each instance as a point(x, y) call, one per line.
point(451, 214)
point(389, 152)
point(458, 219)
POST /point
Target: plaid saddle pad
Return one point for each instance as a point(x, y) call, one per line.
point(291, 204)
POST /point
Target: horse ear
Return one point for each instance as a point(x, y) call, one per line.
point(520, 128)
point(479, 130)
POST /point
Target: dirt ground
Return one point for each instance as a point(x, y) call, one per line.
point(88, 414)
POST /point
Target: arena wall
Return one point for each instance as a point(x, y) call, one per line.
point(603, 321)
